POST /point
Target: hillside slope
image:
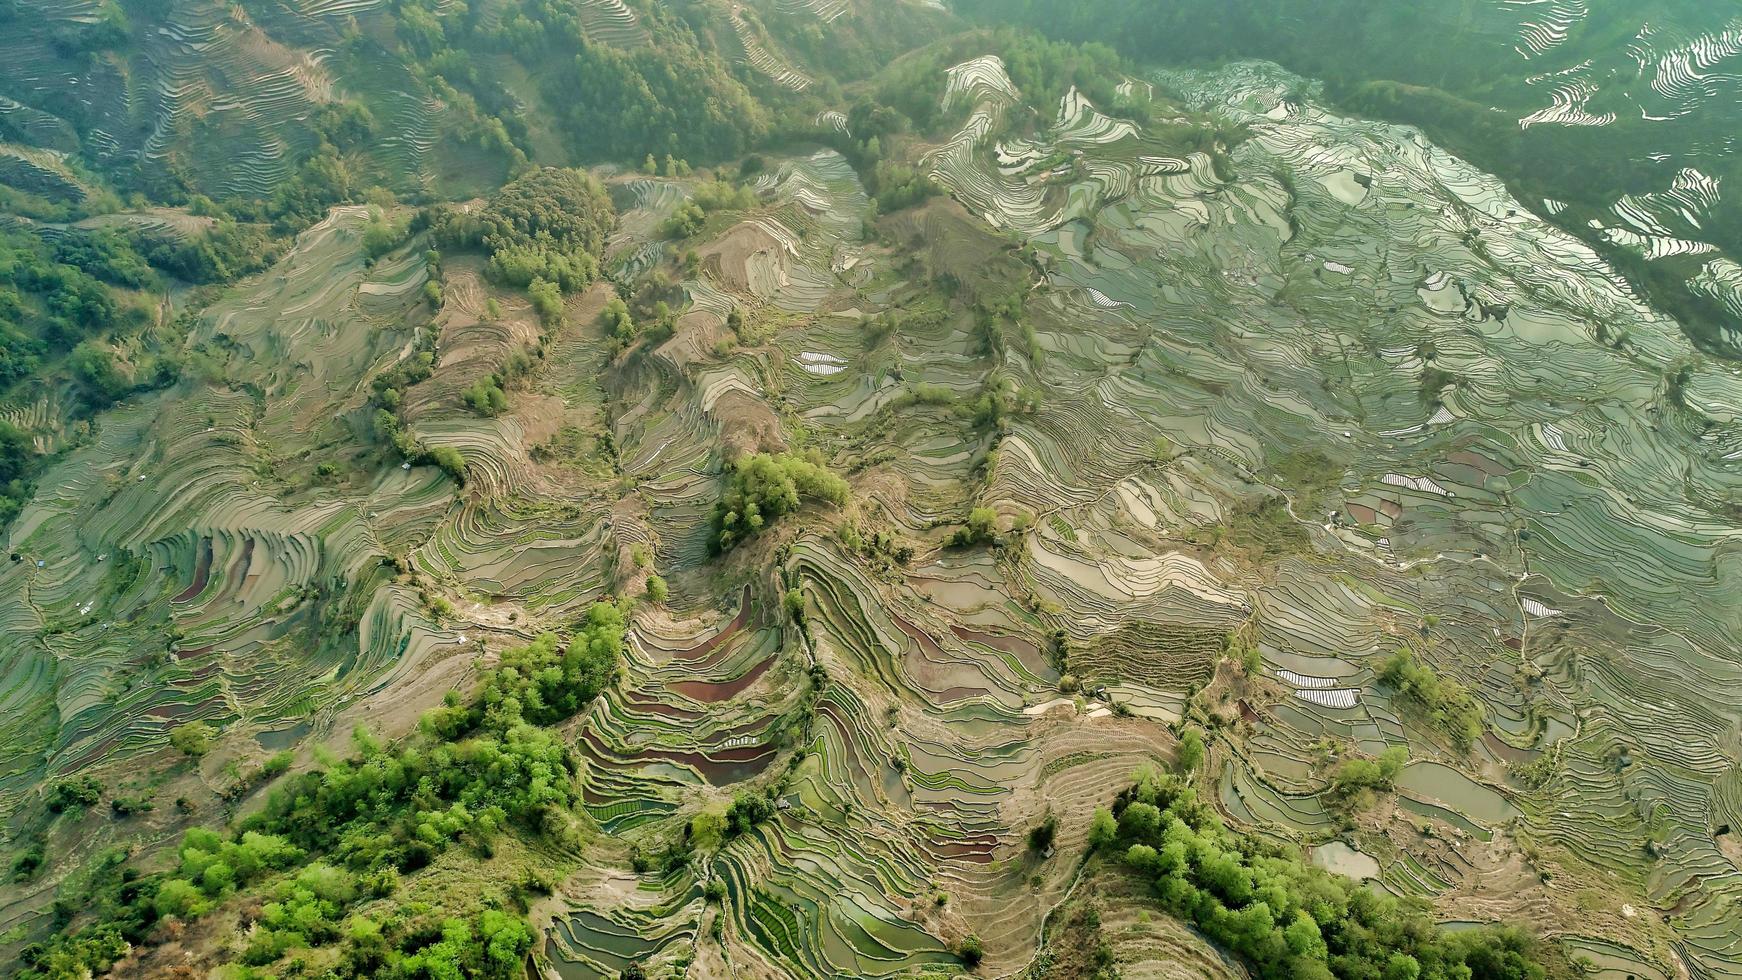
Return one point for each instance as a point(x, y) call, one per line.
point(764, 553)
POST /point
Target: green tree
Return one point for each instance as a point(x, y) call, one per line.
point(971, 951)
point(451, 461)
point(485, 396)
point(1445, 703)
point(1103, 829)
point(1191, 750)
point(619, 324)
point(547, 300)
point(193, 739)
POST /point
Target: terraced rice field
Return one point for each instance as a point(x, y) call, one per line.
point(1334, 394)
point(1288, 312)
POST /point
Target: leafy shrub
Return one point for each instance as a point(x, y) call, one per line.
point(618, 321)
point(1041, 835)
point(1357, 779)
point(29, 861)
point(451, 462)
point(127, 806)
point(193, 739)
point(77, 793)
point(685, 222)
point(382, 235)
point(971, 951)
point(1191, 750)
point(707, 198)
point(747, 811)
point(485, 396)
point(547, 300)
point(982, 528)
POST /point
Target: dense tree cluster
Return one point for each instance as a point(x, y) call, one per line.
point(762, 488)
point(663, 98)
point(49, 304)
point(1286, 919)
point(485, 396)
point(548, 225)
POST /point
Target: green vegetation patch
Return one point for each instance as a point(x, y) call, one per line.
point(1283, 917)
point(762, 488)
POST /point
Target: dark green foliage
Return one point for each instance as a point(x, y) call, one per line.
point(666, 98)
point(747, 810)
point(389, 393)
point(1041, 835)
point(346, 125)
point(98, 372)
point(127, 806)
point(323, 180)
point(485, 396)
point(225, 252)
point(104, 253)
point(51, 300)
point(971, 951)
point(898, 186)
point(563, 207)
point(549, 224)
point(1286, 919)
point(77, 793)
point(761, 488)
point(17, 462)
point(29, 861)
point(1044, 70)
point(1446, 703)
point(618, 321)
point(120, 902)
point(981, 528)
